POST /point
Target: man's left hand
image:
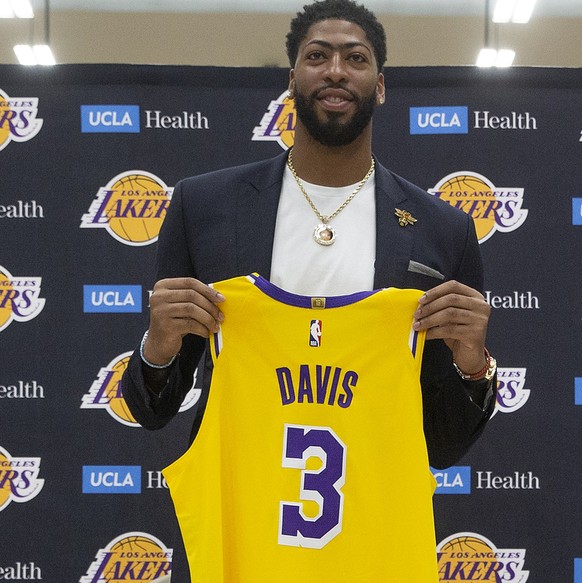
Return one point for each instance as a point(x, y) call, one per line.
point(459, 315)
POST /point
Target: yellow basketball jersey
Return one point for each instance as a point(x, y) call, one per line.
point(310, 463)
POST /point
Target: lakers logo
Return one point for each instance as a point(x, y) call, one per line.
point(18, 121)
point(468, 556)
point(492, 208)
point(278, 123)
point(105, 392)
point(134, 556)
point(511, 394)
point(20, 299)
point(131, 207)
point(19, 481)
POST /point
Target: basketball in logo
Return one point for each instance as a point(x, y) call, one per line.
point(134, 556)
point(6, 292)
point(5, 115)
point(278, 123)
point(469, 556)
point(469, 549)
point(135, 546)
point(113, 394)
point(18, 121)
point(141, 223)
point(20, 299)
point(131, 207)
point(5, 488)
point(492, 208)
point(105, 392)
point(473, 194)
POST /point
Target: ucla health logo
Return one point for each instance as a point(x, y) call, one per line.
point(578, 390)
point(19, 481)
point(111, 479)
point(468, 556)
point(511, 392)
point(453, 480)
point(20, 299)
point(578, 568)
point(110, 119)
point(131, 207)
point(105, 392)
point(111, 298)
point(577, 211)
point(18, 121)
point(493, 208)
point(132, 556)
point(278, 123)
point(439, 120)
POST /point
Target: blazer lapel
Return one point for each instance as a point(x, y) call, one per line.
point(256, 217)
point(393, 242)
point(257, 214)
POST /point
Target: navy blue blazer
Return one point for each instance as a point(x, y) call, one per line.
point(221, 225)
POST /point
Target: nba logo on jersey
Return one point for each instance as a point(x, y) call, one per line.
point(315, 333)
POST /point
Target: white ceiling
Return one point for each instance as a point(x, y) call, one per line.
point(549, 8)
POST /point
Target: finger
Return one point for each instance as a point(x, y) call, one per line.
point(188, 283)
point(453, 332)
point(164, 299)
point(191, 313)
point(454, 307)
point(449, 287)
point(185, 296)
point(468, 332)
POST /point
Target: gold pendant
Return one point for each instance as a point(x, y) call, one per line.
point(324, 234)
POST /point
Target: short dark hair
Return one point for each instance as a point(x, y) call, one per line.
point(342, 10)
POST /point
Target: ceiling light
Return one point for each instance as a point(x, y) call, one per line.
point(25, 54)
point(16, 9)
point(518, 11)
point(36, 55)
point(495, 58)
point(6, 9)
point(523, 11)
point(486, 58)
point(504, 58)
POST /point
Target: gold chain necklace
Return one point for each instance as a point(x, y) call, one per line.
point(324, 234)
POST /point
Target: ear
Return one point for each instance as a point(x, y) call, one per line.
point(380, 90)
point(291, 88)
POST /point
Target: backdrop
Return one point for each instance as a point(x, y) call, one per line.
point(88, 158)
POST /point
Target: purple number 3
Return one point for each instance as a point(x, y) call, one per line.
point(322, 486)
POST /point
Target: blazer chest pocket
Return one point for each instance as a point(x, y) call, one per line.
point(422, 276)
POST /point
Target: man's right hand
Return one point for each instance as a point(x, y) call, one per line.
point(180, 306)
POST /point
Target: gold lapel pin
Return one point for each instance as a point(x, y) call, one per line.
point(404, 218)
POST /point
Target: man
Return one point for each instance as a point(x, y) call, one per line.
point(325, 220)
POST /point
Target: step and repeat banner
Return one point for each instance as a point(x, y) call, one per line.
point(89, 156)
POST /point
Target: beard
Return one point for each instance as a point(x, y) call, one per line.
point(332, 132)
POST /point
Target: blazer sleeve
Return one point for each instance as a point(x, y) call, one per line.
point(452, 421)
point(173, 260)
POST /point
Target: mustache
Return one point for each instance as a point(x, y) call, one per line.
point(316, 92)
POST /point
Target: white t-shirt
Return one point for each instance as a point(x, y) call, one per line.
point(303, 266)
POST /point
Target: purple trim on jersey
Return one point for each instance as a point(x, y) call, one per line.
point(414, 343)
point(216, 343)
point(299, 301)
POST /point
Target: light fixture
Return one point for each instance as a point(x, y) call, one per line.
point(16, 9)
point(518, 11)
point(495, 58)
point(490, 57)
point(38, 54)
